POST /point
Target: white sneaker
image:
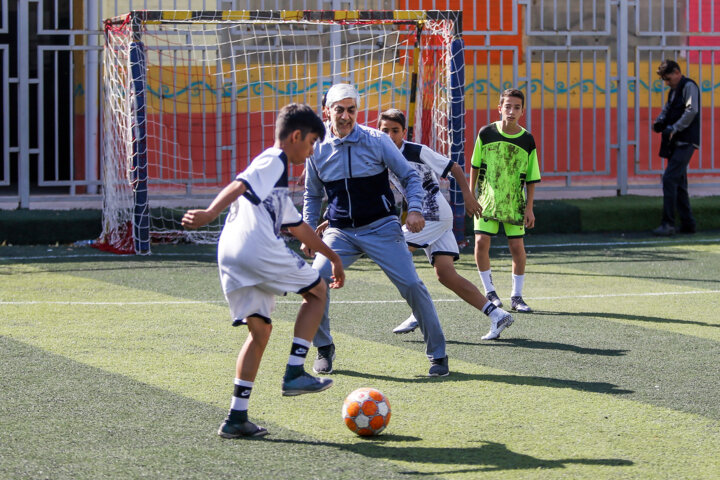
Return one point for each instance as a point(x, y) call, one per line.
point(407, 326)
point(502, 321)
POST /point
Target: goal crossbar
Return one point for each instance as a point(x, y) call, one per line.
point(150, 17)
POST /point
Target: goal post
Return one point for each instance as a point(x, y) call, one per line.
point(190, 97)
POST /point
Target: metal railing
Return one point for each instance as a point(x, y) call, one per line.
point(587, 68)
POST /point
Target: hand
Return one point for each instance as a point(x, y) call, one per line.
point(668, 132)
point(306, 251)
point(472, 207)
point(321, 228)
point(529, 219)
point(658, 127)
point(414, 221)
point(338, 274)
point(196, 218)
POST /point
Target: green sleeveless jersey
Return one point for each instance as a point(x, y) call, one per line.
point(505, 163)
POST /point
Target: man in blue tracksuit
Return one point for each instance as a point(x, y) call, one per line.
point(351, 167)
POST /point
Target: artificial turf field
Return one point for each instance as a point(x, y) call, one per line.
point(122, 367)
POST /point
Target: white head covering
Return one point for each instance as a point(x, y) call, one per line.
point(341, 91)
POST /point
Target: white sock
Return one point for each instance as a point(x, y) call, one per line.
point(243, 389)
point(487, 282)
point(298, 351)
point(517, 285)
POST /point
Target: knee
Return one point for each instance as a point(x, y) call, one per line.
point(482, 243)
point(517, 250)
point(320, 290)
point(445, 276)
point(261, 335)
point(318, 293)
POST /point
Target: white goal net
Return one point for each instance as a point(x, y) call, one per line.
point(190, 98)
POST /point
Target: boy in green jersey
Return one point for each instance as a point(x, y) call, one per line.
point(504, 166)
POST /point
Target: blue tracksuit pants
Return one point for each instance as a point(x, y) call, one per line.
point(384, 243)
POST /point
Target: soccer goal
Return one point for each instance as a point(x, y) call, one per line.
point(190, 98)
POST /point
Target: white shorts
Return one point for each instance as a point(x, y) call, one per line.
point(259, 300)
point(436, 238)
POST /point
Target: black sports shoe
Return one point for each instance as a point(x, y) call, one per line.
point(238, 430)
point(324, 359)
point(519, 305)
point(689, 229)
point(493, 298)
point(439, 367)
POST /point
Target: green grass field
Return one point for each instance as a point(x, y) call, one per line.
point(122, 367)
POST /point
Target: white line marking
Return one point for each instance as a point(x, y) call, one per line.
point(353, 302)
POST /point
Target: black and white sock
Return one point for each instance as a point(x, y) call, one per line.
point(240, 399)
point(296, 361)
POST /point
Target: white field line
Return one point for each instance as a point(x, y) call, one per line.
point(208, 254)
point(353, 302)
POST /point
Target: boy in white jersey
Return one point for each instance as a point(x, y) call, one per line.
point(437, 238)
point(504, 166)
point(256, 264)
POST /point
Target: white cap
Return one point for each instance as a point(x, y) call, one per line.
point(341, 91)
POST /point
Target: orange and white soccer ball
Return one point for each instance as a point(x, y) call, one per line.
point(366, 411)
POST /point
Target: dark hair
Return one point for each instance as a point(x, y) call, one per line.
point(667, 66)
point(512, 92)
point(298, 116)
point(392, 115)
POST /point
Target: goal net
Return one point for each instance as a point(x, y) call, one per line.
point(190, 98)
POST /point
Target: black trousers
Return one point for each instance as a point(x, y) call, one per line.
point(675, 188)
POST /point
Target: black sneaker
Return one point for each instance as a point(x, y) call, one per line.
point(494, 299)
point(324, 359)
point(519, 305)
point(664, 230)
point(239, 430)
point(439, 367)
point(689, 229)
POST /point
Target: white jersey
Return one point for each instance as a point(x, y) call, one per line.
point(251, 250)
point(429, 165)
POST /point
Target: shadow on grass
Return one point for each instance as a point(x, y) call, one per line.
point(622, 316)
point(489, 457)
point(623, 276)
point(541, 345)
point(594, 387)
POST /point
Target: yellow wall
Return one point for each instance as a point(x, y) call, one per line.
point(548, 88)
point(577, 85)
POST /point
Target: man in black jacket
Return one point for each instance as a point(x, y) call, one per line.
point(679, 124)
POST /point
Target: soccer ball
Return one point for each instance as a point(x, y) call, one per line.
point(366, 411)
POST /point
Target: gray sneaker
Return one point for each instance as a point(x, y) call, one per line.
point(305, 383)
point(325, 357)
point(493, 298)
point(238, 430)
point(498, 326)
point(439, 367)
point(519, 305)
point(407, 326)
point(664, 230)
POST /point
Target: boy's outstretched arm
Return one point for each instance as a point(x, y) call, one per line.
point(472, 207)
point(198, 218)
point(529, 214)
point(309, 238)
